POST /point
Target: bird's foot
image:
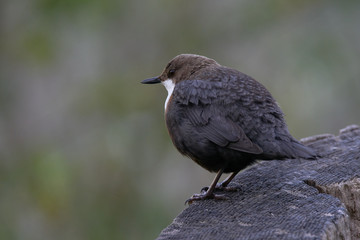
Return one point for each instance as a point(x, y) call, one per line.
point(203, 196)
point(220, 187)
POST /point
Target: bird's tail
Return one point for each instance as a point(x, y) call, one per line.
point(295, 149)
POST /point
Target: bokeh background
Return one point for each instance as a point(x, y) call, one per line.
point(84, 152)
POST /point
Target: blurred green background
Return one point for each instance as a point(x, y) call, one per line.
point(84, 152)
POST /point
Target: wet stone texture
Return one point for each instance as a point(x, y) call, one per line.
point(285, 199)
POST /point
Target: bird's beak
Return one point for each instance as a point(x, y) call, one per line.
point(151, 80)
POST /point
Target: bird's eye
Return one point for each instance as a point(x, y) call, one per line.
point(171, 72)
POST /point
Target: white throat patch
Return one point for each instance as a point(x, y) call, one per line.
point(169, 85)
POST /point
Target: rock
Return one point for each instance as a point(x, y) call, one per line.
point(285, 199)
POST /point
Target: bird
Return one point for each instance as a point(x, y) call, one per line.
point(223, 119)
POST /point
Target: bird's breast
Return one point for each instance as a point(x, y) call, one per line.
point(169, 85)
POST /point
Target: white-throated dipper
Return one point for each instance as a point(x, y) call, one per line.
point(223, 119)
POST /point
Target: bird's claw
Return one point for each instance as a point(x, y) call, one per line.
point(219, 187)
point(203, 196)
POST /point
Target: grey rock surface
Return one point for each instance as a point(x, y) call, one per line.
point(285, 199)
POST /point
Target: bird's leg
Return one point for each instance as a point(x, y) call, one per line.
point(226, 182)
point(223, 185)
point(209, 194)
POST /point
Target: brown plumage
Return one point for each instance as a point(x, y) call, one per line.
point(223, 119)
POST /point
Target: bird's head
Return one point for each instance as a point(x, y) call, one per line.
point(182, 67)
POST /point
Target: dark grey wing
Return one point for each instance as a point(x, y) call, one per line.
point(220, 130)
point(234, 111)
point(209, 120)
